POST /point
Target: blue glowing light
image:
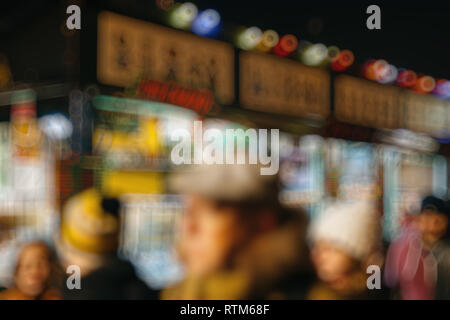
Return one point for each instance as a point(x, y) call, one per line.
point(207, 24)
point(442, 89)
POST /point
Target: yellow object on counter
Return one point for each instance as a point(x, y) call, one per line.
point(116, 183)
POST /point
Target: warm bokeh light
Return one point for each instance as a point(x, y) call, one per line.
point(388, 74)
point(249, 38)
point(406, 78)
point(182, 15)
point(343, 60)
point(286, 45)
point(424, 84)
point(315, 55)
point(268, 40)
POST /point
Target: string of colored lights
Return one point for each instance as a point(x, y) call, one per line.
point(208, 23)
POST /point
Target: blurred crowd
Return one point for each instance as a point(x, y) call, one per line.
point(237, 241)
point(103, 194)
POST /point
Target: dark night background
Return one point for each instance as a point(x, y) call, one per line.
point(413, 35)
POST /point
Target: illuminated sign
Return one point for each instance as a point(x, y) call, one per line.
point(199, 100)
point(130, 49)
point(426, 113)
point(282, 86)
point(366, 103)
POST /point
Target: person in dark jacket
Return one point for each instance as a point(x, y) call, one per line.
point(116, 280)
point(88, 246)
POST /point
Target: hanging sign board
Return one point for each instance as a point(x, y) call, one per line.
point(362, 102)
point(282, 86)
point(426, 113)
point(366, 103)
point(130, 49)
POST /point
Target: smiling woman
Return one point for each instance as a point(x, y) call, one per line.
point(33, 275)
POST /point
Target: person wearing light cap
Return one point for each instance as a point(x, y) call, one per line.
point(89, 239)
point(345, 239)
point(236, 240)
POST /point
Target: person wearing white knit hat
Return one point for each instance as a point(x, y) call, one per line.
point(343, 238)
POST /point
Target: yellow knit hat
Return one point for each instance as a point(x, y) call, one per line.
point(86, 225)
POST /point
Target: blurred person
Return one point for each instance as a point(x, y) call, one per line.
point(418, 262)
point(236, 240)
point(441, 250)
point(432, 221)
point(33, 275)
point(89, 240)
point(345, 239)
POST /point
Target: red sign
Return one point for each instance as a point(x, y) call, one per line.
point(200, 100)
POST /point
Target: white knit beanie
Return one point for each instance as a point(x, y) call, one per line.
point(353, 227)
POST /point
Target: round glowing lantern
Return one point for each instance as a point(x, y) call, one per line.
point(379, 69)
point(182, 15)
point(406, 78)
point(207, 23)
point(367, 69)
point(388, 74)
point(249, 38)
point(442, 88)
point(375, 70)
point(343, 60)
point(315, 55)
point(424, 84)
point(268, 40)
point(286, 45)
